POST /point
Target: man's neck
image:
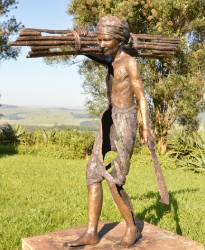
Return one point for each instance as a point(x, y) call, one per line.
point(117, 55)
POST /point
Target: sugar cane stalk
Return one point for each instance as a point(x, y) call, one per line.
point(68, 40)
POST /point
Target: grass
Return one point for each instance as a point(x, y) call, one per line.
point(39, 195)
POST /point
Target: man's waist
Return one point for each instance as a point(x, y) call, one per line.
point(133, 108)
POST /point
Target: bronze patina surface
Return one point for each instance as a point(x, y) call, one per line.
point(118, 125)
point(117, 130)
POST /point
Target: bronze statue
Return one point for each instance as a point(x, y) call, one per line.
point(118, 125)
point(117, 130)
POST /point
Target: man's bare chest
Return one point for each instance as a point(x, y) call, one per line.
point(120, 73)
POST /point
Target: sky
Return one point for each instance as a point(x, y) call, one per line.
point(30, 81)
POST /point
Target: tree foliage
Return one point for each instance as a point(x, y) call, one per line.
point(174, 87)
point(62, 60)
point(96, 97)
point(8, 28)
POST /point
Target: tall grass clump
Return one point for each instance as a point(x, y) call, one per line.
point(188, 149)
point(67, 144)
point(11, 135)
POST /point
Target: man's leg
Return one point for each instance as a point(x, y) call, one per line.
point(125, 207)
point(95, 197)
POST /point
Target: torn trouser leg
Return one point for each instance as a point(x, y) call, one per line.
point(125, 122)
point(117, 132)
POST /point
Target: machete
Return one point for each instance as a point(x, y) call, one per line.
point(159, 175)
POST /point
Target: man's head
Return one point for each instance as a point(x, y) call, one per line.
point(115, 27)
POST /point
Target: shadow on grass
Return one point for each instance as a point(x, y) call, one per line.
point(8, 150)
point(162, 209)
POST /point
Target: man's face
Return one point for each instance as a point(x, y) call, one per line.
point(108, 43)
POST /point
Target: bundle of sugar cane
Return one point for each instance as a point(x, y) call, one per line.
point(69, 42)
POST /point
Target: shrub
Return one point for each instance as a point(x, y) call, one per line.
point(67, 144)
point(11, 135)
point(188, 149)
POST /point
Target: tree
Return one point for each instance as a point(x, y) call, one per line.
point(7, 29)
point(174, 87)
point(94, 87)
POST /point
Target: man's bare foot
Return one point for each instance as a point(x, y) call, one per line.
point(129, 238)
point(85, 239)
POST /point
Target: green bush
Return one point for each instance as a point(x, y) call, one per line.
point(66, 144)
point(188, 149)
point(11, 135)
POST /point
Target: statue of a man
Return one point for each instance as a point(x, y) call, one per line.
point(117, 131)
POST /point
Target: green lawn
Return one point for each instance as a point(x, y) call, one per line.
point(39, 195)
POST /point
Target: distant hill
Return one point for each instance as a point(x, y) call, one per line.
point(5, 106)
point(39, 114)
point(64, 107)
point(46, 116)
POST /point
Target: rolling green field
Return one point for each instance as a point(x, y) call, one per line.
point(45, 116)
point(39, 195)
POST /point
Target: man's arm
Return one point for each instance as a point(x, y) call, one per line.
point(138, 89)
point(98, 59)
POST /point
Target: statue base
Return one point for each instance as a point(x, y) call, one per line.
point(152, 238)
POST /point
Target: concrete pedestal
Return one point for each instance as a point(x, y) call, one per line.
point(152, 238)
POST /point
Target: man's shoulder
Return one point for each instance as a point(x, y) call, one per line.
point(131, 65)
point(128, 57)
